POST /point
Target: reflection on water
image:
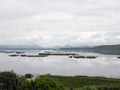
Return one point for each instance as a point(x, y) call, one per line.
point(104, 65)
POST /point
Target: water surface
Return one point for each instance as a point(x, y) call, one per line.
point(104, 65)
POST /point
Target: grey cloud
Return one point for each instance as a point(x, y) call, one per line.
point(59, 22)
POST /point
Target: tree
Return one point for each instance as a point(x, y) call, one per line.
point(47, 83)
point(11, 81)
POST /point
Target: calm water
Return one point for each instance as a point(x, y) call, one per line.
point(104, 65)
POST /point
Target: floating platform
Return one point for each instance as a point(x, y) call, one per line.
point(89, 57)
point(18, 52)
point(23, 55)
point(37, 55)
point(58, 54)
point(14, 55)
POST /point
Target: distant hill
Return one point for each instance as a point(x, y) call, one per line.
point(107, 49)
point(85, 49)
point(19, 47)
point(103, 49)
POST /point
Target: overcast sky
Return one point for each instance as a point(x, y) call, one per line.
point(59, 22)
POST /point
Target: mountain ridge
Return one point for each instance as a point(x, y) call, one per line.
point(103, 49)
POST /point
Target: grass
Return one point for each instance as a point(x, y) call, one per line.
point(82, 81)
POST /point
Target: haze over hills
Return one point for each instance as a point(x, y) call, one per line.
point(2, 47)
point(103, 49)
point(36, 47)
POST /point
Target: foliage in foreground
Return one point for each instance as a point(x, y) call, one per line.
point(12, 81)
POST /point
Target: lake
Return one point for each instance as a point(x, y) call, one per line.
point(103, 65)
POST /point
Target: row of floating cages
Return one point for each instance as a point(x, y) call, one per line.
point(17, 53)
point(14, 55)
point(80, 56)
point(24, 55)
point(37, 55)
point(56, 53)
point(59, 53)
point(45, 54)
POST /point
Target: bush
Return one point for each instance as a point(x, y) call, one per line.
point(11, 81)
point(47, 83)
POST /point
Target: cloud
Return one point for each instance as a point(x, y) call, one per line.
point(59, 22)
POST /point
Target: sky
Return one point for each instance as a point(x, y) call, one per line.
point(50, 23)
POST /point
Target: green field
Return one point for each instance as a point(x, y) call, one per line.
point(85, 82)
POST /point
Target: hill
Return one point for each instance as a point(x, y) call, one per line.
point(19, 47)
point(107, 49)
point(103, 49)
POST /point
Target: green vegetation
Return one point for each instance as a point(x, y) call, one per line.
point(88, 83)
point(47, 83)
point(12, 81)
